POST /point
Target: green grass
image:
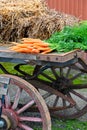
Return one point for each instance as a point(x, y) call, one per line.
point(56, 124)
point(67, 125)
point(10, 68)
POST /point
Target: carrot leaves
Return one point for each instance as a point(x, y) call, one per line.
point(69, 38)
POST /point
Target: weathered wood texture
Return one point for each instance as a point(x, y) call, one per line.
point(7, 55)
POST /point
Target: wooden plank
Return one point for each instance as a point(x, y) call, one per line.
point(6, 53)
point(58, 57)
point(53, 57)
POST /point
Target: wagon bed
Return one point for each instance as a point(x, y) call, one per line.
point(5, 52)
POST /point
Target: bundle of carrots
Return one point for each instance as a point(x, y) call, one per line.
point(30, 45)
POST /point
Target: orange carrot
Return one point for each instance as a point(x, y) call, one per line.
point(47, 51)
point(14, 47)
point(30, 45)
point(41, 44)
point(30, 40)
point(35, 51)
point(23, 50)
point(43, 49)
point(24, 45)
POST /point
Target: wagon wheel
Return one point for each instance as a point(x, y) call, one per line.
point(16, 116)
point(65, 92)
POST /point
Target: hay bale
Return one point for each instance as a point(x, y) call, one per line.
point(33, 18)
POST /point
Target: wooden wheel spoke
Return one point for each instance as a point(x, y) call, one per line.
point(17, 97)
point(25, 127)
point(7, 101)
point(78, 86)
point(25, 107)
point(54, 72)
point(48, 77)
point(68, 72)
point(31, 119)
point(79, 95)
point(64, 102)
point(76, 76)
point(54, 109)
point(56, 101)
point(77, 107)
point(46, 95)
point(69, 95)
point(61, 72)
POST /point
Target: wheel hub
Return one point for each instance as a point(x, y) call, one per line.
point(61, 84)
point(8, 120)
point(3, 124)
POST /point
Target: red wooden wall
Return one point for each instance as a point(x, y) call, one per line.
point(73, 7)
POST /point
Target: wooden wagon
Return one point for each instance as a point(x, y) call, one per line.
point(57, 82)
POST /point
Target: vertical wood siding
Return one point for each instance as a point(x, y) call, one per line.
point(73, 7)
